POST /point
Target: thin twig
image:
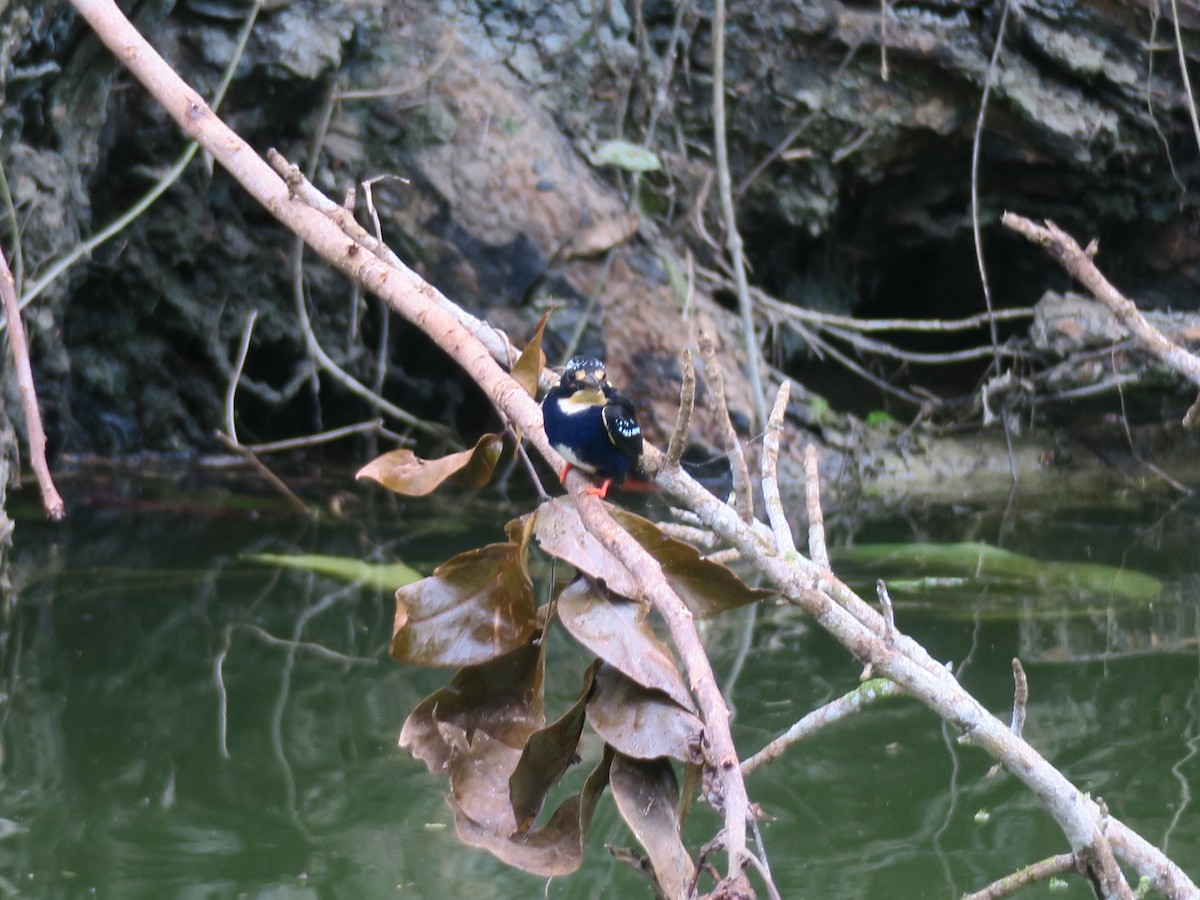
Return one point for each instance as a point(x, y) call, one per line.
point(324, 652)
point(1020, 697)
point(976, 147)
point(817, 317)
point(276, 482)
point(719, 405)
point(785, 543)
point(760, 865)
point(864, 695)
point(733, 238)
point(687, 402)
point(236, 375)
point(340, 375)
point(1063, 864)
point(724, 557)
point(1079, 265)
point(312, 440)
point(889, 613)
point(85, 248)
point(817, 551)
point(698, 537)
point(222, 694)
point(10, 212)
point(301, 187)
point(35, 434)
point(1183, 68)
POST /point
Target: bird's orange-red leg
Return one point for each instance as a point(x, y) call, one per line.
point(562, 476)
point(601, 491)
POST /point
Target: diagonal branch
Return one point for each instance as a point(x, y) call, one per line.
point(422, 305)
point(1078, 263)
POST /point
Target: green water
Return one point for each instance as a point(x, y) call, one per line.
point(129, 769)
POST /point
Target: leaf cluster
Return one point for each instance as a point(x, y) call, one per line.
point(487, 731)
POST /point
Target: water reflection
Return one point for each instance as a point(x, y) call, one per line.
point(154, 744)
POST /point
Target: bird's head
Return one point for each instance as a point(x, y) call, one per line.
point(584, 380)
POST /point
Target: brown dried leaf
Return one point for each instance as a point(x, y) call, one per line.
point(406, 473)
point(528, 368)
point(501, 699)
point(647, 796)
point(641, 723)
point(708, 588)
point(560, 533)
point(473, 608)
point(547, 755)
point(618, 631)
point(554, 849)
point(603, 236)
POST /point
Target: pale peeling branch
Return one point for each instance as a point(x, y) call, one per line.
point(421, 304)
point(719, 406)
point(785, 543)
point(19, 348)
point(1078, 263)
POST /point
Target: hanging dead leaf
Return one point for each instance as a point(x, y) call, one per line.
point(639, 722)
point(406, 473)
point(547, 755)
point(502, 698)
point(647, 796)
point(560, 533)
point(554, 849)
point(618, 631)
point(528, 368)
point(708, 588)
point(475, 607)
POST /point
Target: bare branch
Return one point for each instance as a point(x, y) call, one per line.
point(1020, 697)
point(719, 406)
point(687, 402)
point(733, 238)
point(857, 700)
point(889, 613)
point(817, 550)
point(36, 435)
point(236, 375)
point(772, 501)
point(1079, 265)
point(1062, 864)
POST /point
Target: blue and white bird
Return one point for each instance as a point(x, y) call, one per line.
point(592, 424)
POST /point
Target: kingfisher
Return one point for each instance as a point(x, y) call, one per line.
point(592, 424)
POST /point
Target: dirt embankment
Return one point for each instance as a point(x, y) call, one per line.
point(851, 151)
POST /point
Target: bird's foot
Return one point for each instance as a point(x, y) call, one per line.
point(601, 491)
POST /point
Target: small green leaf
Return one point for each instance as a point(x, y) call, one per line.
point(385, 576)
point(627, 156)
point(473, 608)
point(406, 473)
